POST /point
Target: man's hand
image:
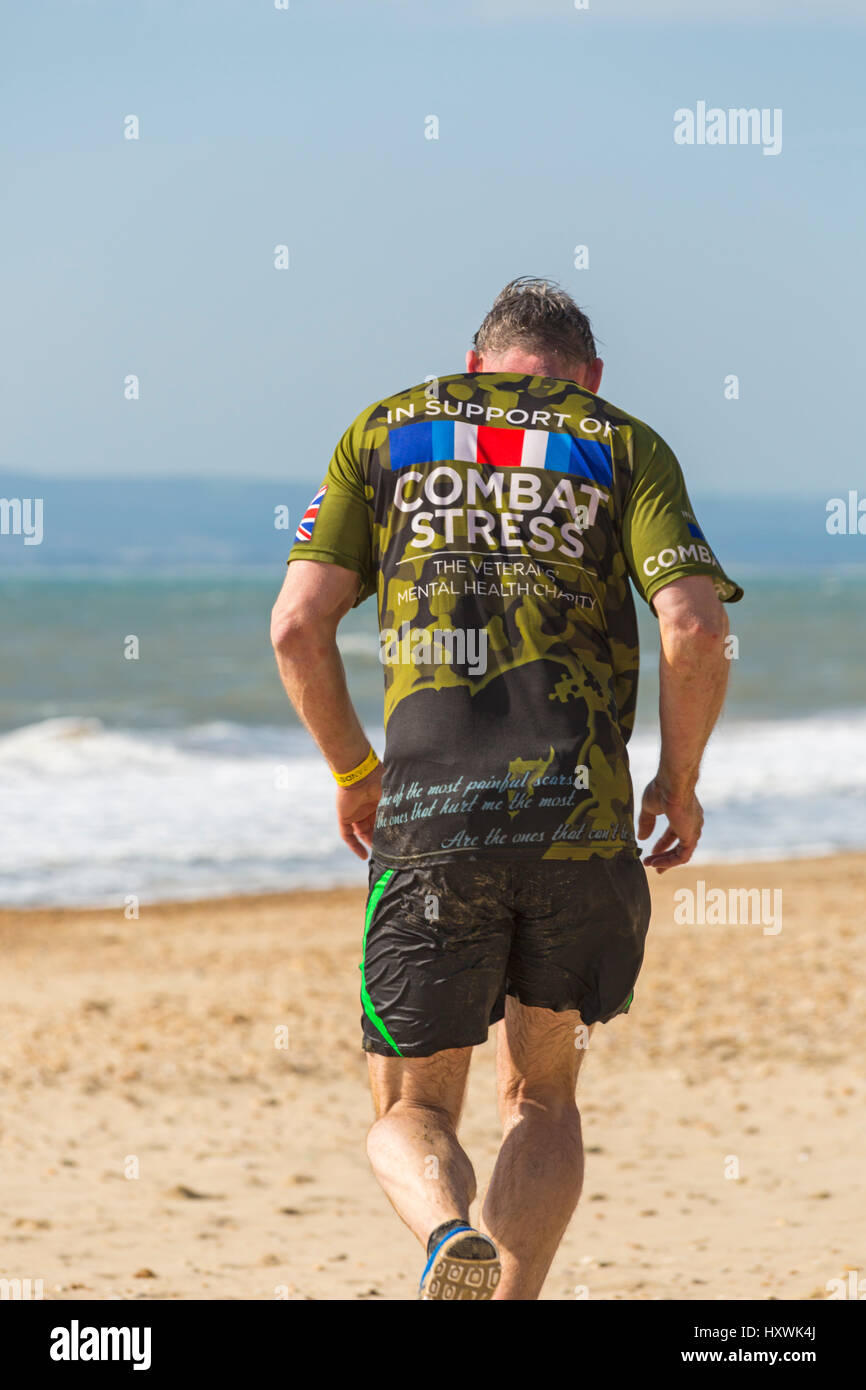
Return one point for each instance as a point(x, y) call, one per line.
point(685, 822)
point(693, 673)
point(313, 599)
point(356, 811)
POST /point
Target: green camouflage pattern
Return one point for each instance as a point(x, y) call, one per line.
point(527, 756)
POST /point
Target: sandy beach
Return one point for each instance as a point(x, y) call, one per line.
point(159, 1141)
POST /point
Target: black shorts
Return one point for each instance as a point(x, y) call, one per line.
point(445, 943)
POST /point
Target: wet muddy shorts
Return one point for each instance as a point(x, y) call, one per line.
point(444, 944)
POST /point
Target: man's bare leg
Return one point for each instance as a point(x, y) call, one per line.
point(539, 1172)
point(413, 1147)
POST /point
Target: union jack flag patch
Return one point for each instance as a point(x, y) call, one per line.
point(305, 529)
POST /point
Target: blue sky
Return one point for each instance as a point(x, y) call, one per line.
point(306, 127)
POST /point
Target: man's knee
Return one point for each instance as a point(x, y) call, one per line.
point(415, 1108)
point(436, 1083)
point(550, 1103)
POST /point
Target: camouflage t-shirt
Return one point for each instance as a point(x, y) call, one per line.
point(498, 518)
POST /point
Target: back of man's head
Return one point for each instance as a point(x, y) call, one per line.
point(536, 321)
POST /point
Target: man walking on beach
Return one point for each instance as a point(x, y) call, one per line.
point(498, 514)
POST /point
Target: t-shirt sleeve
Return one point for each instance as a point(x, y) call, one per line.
point(662, 539)
point(337, 527)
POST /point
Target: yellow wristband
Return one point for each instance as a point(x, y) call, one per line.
point(347, 779)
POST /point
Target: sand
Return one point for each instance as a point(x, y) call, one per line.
point(156, 1143)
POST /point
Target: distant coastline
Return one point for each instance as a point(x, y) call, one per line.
point(196, 523)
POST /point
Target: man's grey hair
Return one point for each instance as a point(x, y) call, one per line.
point(540, 317)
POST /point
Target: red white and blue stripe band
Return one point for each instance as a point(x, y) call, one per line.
point(457, 441)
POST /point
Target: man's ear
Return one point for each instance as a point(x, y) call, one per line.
point(594, 375)
point(473, 361)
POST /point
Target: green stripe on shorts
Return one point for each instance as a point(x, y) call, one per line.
point(378, 890)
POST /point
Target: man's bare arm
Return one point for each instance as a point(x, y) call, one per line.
point(313, 600)
point(693, 677)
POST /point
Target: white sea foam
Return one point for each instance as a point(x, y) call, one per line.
point(92, 815)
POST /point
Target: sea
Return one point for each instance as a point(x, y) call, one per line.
point(172, 766)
